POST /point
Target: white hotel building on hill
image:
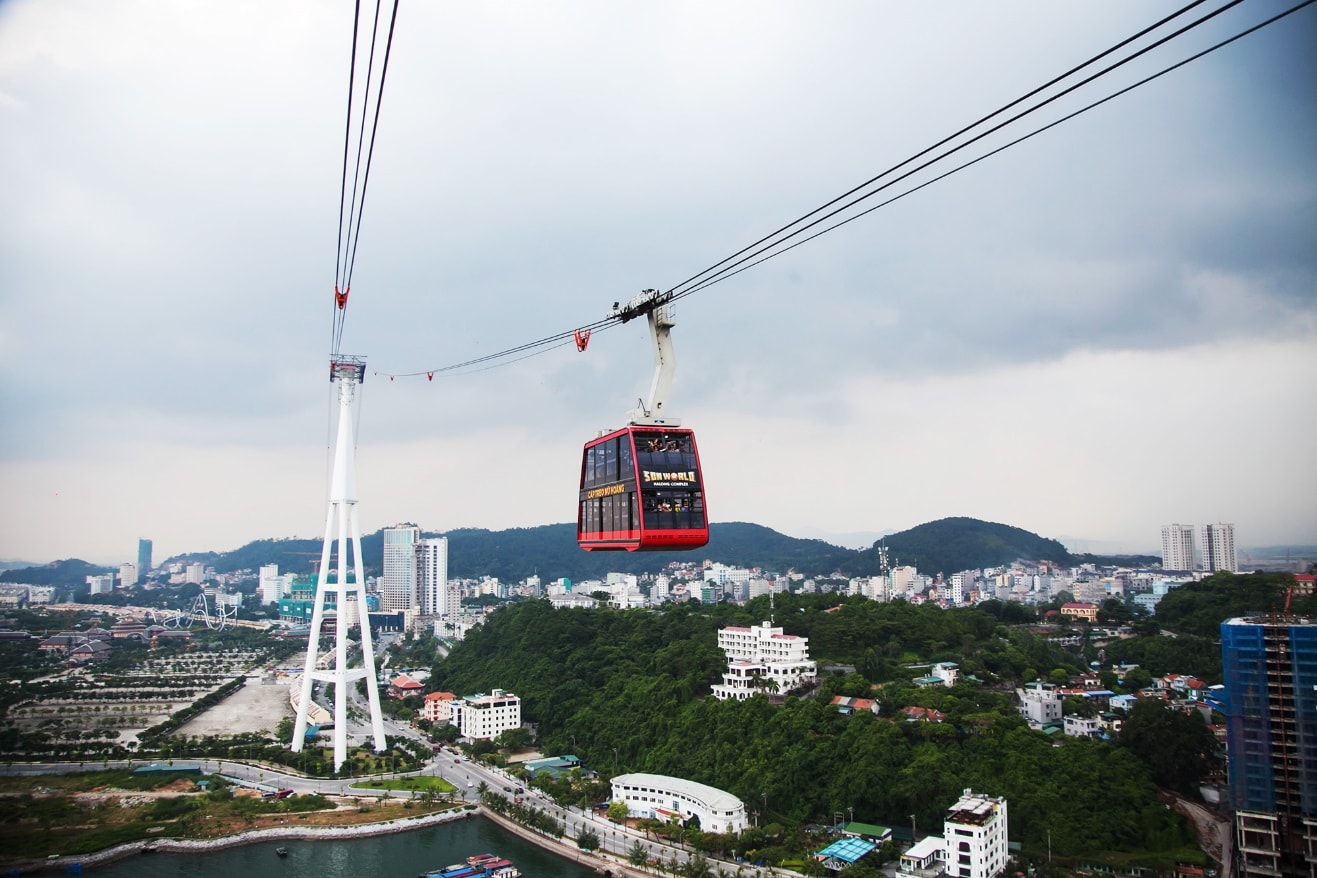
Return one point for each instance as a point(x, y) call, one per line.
point(762, 653)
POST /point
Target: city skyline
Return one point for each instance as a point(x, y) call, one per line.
point(1108, 327)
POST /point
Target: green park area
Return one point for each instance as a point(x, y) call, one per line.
point(420, 784)
point(73, 814)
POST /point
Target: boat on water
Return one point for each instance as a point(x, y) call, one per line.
point(478, 866)
point(283, 852)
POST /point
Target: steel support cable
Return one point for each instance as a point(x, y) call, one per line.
point(357, 205)
point(1003, 147)
point(341, 281)
point(374, 129)
point(343, 184)
point(953, 150)
point(695, 278)
point(733, 269)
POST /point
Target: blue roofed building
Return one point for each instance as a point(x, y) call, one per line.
point(843, 853)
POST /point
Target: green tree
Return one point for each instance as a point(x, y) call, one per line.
point(618, 811)
point(1177, 747)
point(587, 839)
point(637, 855)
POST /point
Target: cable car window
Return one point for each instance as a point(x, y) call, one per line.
point(587, 469)
point(626, 465)
point(610, 460)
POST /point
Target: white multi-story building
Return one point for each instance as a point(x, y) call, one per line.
point(1217, 542)
point(756, 656)
point(432, 577)
point(974, 837)
point(880, 589)
point(903, 579)
point(272, 586)
point(1178, 547)
point(101, 584)
point(1040, 703)
point(480, 717)
point(398, 581)
point(659, 797)
point(195, 573)
point(127, 575)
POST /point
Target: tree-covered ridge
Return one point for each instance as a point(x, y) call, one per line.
point(550, 551)
point(1200, 607)
point(627, 691)
point(70, 572)
point(950, 545)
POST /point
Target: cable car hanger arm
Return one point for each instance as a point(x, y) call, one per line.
point(660, 312)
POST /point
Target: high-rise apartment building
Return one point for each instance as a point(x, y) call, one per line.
point(1178, 547)
point(143, 558)
point(1270, 670)
point(398, 582)
point(1217, 543)
point(432, 577)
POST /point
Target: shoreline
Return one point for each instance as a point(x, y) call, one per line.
point(254, 836)
point(596, 860)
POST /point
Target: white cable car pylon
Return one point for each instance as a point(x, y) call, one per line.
point(342, 525)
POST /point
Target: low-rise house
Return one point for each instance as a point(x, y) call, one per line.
point(1040, 703)
point(554, 766)
point(923, 859)
point(846, 704)
point(1082, 727)
point(923, 714)
point(867, 831)
point(438, 708)
point(1080, 612)
point(402, 685)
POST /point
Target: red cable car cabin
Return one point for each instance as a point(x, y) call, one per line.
point(641, 491)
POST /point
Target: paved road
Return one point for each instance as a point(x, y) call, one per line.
point(467, 776)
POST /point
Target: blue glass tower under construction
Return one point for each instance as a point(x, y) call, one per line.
point(1270, 668)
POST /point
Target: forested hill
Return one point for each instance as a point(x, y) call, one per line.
point(58, 573)
point(950, 545)
point(550, 551)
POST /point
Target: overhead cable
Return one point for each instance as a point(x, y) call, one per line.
point(776, 242)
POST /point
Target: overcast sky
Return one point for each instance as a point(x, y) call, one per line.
point(1105, 329)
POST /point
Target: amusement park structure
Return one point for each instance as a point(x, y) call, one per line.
point(342, 528)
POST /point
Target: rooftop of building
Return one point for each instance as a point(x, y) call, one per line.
point(1280, 620)
point(973, 809)
point(849, 850)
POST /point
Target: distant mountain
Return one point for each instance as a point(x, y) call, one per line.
point(15, 564)
point(550, 551)
point(70, 573)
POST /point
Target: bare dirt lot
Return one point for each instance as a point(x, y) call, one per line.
point(256, 707)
